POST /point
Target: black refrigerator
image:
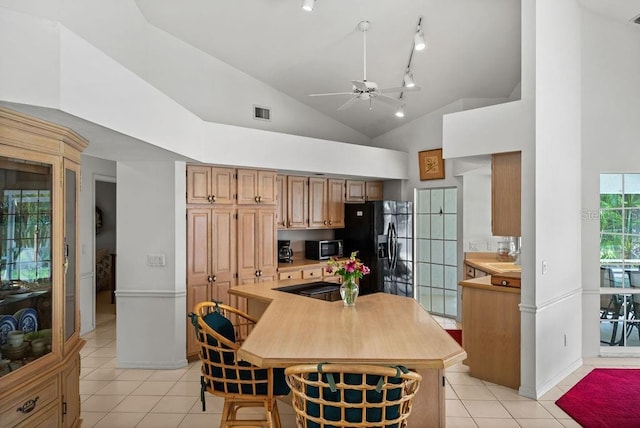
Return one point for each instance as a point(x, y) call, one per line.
point(382, 233)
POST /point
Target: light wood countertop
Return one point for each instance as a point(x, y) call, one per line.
point(300, 264)
point(484, 283)
point(380, 329)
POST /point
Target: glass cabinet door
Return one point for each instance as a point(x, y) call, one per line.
point(25, 262)
point(70, 249)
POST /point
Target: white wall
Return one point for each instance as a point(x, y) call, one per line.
point(202, 84)
point(610, 129)
point(93, 86)
point(151, 300)
point(90, 169)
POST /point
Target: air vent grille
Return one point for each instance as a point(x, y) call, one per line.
point(636, 20)
point(261, 113)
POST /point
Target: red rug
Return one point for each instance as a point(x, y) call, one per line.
point(456, 334)
point(605, 398)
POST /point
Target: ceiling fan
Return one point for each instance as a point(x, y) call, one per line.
point(365, 90)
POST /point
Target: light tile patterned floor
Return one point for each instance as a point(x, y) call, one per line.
point(116, 398)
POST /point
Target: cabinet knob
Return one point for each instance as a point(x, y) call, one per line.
point(210, 278)
point(213, 198)
point(330, 222)
point(215, 278)
point(257, 273)
point(210, 198)
point(325, 222)
point(259, 198)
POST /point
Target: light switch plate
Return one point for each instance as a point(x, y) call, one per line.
point(156, 260)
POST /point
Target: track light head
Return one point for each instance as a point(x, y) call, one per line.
point(400, 112)
point(408, 79)
point(308, 5)
point(418, 41)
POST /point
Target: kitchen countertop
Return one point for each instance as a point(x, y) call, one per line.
point(301, 263)
point(484, 283)
point(489, 263)
point(301, 329)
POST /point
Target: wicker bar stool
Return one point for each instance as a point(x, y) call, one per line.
point(220, 330)
point(350, 395)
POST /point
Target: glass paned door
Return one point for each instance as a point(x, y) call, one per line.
point(70, 248)
point(620, 260)
point(25, 262)
point(436, 250)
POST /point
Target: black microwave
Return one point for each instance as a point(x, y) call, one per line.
point(323, 250)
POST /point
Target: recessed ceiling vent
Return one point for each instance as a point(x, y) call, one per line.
point(261, 113)
point(636, 20)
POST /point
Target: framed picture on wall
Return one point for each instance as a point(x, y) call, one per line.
point(431, 164)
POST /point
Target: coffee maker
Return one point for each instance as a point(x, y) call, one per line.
point(285, 254)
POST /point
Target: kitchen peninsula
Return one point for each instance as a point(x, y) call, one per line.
point(381, 329)
point(491, 319)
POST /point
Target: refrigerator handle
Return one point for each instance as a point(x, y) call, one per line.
point(389, 246)
point(395, 246)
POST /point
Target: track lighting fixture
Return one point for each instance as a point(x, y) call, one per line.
point(400, 111)
point(308, 5)
point(408, 79)
point(418, 38)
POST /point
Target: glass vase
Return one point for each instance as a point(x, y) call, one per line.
point(349, 292)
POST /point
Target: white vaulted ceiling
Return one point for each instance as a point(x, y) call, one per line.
point(473, 49)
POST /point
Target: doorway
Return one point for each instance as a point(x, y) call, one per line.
point(105, 250)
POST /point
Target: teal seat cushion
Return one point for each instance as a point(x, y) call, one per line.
point(332, 413)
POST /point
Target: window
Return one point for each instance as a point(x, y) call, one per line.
point(620, 260)
point(436, 249)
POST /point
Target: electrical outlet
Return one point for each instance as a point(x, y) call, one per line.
point(155, 260)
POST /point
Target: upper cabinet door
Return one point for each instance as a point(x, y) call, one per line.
point(373, 190)
point(256, 187)
point(317, 203)
point(281, 201)
point(267, 187)
point(297, 202)
point(335, 202)
point(198, 184)
point(198, 245)
point(210, 185)
point(505, 194)
point(355, 191)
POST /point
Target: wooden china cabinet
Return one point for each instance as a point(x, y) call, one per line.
point(39, 189)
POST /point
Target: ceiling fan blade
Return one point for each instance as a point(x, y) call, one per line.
point(389, 100)
point(331, 93)
point(401, 89)
point(348, 103)
point(360, 85)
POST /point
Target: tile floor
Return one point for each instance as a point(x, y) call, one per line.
point(116, 398)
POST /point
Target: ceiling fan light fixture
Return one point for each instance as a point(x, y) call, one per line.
point(308, 5)
point(408, 79)
point(419, 43)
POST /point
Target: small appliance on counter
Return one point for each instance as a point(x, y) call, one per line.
point(285, 253)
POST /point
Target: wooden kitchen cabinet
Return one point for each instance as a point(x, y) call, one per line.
point(210, 185)
point(505, 194)
point(335, 202)
point(355, 191)
point(373, 190)
point(281, 201)
point(257, 254)
point(491, 337)
point(39, 193)
point(297, 202)
point(256, 187)
point(211, 260)
point(361, 191)
point(318, 203)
